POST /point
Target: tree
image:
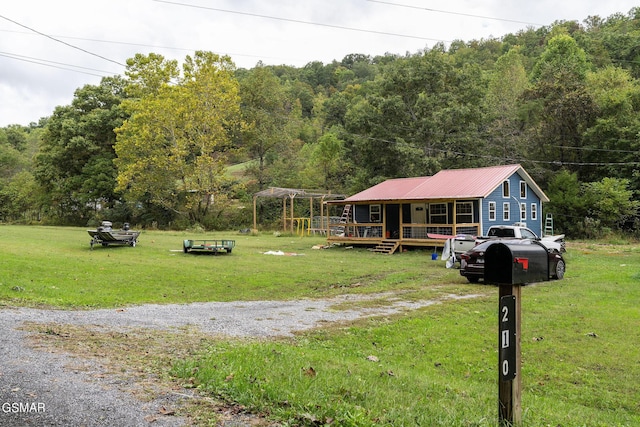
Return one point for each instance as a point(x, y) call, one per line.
point(19, 198)
point(559, 107)
point(610, 202)
point(265, 112)
point(148, 74)
point(613, 140)
point(567, 203)
point(16, 137)
point(421, 113)
point(328, 154)
point(78, 138)
point(171, 151)
point(507, 83)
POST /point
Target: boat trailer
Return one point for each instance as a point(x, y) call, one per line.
point(105, 235)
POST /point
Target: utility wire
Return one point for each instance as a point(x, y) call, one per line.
point(298, 21)
point(18, 56)
point(511, 159)
point(60, 41)
point(116, 42)
point(52, 64)
point(456, 13)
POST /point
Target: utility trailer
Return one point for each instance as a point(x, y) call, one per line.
point(208, 246)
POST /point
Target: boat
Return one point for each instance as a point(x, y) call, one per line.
point(105, 235)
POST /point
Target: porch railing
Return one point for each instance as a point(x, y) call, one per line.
point(407, 231)
point(357, 230)
point(422, 231)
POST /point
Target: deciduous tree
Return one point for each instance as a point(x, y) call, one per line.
point(171, 151)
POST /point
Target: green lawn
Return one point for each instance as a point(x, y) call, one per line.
point(434, 366)
point(55, 266)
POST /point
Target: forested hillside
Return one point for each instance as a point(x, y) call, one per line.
point(153, 147)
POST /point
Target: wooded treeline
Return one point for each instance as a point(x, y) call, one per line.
point(170, 145)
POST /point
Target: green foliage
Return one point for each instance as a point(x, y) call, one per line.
point(591, 209)
point(265, 112)
point(567, 203)
point(563, 108)
point(420, 114)
point(610, 201)
point(171, 152)
point(563, 96)
point(506, 86)
point(74, 165)
point(328, 154)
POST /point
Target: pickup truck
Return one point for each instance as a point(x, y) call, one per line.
point(462, 243)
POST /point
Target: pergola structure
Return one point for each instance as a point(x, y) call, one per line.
point(290, 194)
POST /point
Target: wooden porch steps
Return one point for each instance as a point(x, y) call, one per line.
point(386, 247)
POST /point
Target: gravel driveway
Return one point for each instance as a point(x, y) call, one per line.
point(44, 388)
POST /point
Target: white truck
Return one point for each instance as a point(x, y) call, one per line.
point(462, 243)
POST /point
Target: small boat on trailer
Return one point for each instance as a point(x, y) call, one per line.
point(105, 235)
point(208, 246)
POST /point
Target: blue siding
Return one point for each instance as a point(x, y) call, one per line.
point(514, 201)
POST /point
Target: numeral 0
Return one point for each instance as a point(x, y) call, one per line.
point(505, 367)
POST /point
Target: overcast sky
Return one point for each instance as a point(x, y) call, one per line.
point(48, 49)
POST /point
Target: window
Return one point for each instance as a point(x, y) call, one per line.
point(492, 211)
point(438, 213)
point(523, 190)
point(505, 189)
point(523, 211)
point(374, 213)
point(527, 234)
point(464, 212)
point(505, 211)
point(534, 212)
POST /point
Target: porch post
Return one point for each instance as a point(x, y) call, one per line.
point(455, 215)
point(284, 214)
point(401, 231)
point(291, 207)
point(321, 212)
point(255, 221)
point(310, 214)
point(384, 221)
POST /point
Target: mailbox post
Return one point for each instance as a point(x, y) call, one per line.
point(509, 377)
point(510, 266)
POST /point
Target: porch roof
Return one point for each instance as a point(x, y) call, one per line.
point(446, 184)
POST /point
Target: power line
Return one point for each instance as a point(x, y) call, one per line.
point(60, 41)
point(298, 21)
point(116, 42)
point(511, 159)
point(456, 13)
point(52, 64)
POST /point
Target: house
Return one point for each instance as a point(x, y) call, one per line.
point(425, 211)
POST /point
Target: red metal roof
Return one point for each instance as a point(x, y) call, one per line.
point(446, 184)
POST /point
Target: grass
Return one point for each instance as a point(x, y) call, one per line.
point(54, 266)
point(435, 366)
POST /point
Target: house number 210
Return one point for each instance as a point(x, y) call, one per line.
point(507, 337)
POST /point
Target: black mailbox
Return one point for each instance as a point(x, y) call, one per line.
point(516, 263)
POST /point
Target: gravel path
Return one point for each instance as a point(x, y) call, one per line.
point(41, 388)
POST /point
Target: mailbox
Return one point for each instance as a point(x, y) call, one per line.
point(516, 263)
